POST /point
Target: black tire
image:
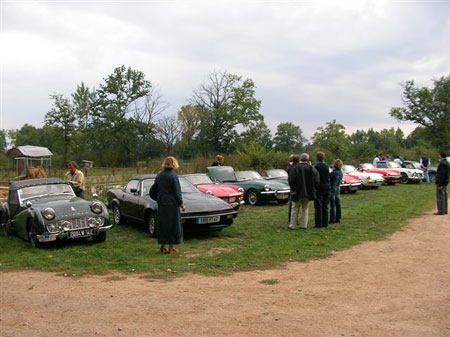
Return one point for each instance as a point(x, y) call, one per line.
point(432, 177)
point(252, 197)
point(101, 237)
point(283, 201)
point(151, 223)
point(32, 238)
point(404, 178)
point(117, 215)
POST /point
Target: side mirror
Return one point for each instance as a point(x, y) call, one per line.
point(28, 204)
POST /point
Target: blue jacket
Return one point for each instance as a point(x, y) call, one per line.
point(335, 181)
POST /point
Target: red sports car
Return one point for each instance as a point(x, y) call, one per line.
point(390, 176)
point(232, 194)
point(350, 183)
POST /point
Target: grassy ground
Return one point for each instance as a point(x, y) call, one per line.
point(258, 238)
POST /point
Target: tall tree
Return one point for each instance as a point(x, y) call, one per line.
point(167, 132)
point(189, 123)
point(332, 138)
point(225, 102)
point(259, 134)
point(428, 107)
point(289, 138)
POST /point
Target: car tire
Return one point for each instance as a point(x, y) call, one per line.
point(432, 177)
point(32, 236)
point(151, 223)
point(404, 178)
point(117, 215)
point(101, 237)
point(252, 197)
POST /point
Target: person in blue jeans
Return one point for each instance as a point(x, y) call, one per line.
point(335, 192)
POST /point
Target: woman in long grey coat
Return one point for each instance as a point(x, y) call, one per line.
point(169, 229)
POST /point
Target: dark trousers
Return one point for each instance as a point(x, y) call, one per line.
point(321, 208)
point(442, 200)
point(80, 194)
point(335, 207)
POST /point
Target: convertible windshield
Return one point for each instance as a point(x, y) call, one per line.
point(39, 191)
point(348, 168)
point(272, 174)
point(248, 175)
point(393, 164)
point(367, 166)
point(199, 179)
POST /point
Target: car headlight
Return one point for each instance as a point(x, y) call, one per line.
point(92, 222)
point(100, 221)
point(96, 207)
point(240, 190)
point(52, 228)
point(266, 187)
point(48, 213)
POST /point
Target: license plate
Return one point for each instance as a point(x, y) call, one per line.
point(283, 196)
point(80, 233)
point(208, 219)
point(352, 188)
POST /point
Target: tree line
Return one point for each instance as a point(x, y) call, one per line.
point(124, 121)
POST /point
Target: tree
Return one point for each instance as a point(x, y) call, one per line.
point(258, 134)
point(62, 117)
point(167, 131)
point(3, 143)
point(289, 138)
point(332, 138)
point(189, 123)
point(428, 107)
point(225, 102)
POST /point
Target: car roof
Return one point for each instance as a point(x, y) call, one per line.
point(194, 174)
point(143, 177)
point(15, 185)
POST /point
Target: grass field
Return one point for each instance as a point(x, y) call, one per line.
point(258, 239)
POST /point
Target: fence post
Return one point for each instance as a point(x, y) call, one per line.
point(114, 171)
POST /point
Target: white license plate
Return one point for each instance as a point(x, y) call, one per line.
point(283, 196)
point(208, 219)
point(80, 233)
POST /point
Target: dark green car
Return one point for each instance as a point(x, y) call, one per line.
point(43, 210)
point(256, 188)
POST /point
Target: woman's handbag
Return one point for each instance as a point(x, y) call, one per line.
point(154, 191)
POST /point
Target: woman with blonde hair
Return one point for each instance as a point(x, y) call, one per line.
point(335, 192)
point(169, 229)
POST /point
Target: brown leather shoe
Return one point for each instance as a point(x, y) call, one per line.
point(437, 213)
point(173, 250)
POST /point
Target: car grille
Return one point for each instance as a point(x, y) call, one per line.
point(78, 223)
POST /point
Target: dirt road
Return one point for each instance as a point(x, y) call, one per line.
point(396, 287)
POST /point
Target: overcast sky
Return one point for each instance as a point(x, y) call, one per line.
point(312, 61)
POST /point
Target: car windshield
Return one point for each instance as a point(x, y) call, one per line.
point(248, 175)
point(367, 166)
point(186, 186)
point(222, 173)
point(39, 191)
point(392, 164)
point(348, 168)
point(412, 165)
point(199, 179)
point(272, 174)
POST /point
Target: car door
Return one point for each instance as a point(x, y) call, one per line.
point(128, 198)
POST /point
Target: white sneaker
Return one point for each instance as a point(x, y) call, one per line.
point(291, 227)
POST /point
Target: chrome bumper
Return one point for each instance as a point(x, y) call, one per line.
point(47, 236)
point(276, 192)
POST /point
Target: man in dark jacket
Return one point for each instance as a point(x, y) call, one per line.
point(323, 192)
point(442, 177)
point(303, 180)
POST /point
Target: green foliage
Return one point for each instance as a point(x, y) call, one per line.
point(258, 134)
point(252, 242)
point(289, 138)
point(428, 107)
point(332, 140)
point(254, 156)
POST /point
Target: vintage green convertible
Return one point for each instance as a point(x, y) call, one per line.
point(256, 188)
point(42, 210)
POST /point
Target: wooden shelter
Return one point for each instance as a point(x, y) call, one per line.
point(30, 161)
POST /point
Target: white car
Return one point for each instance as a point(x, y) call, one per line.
point(407, 175)
point(372, 180)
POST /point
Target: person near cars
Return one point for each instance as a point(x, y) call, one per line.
point(398, 160)
point(425, 163)
point(219, 161)
point(322, 200)
point(75, 178)
point(335, 191)
point(169, 230)
point(376, 160)
point(442, 177)
point(303, 180)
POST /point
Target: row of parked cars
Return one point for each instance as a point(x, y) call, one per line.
point(43, 210)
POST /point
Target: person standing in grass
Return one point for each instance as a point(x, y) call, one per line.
point(303, 180)
point(442, 178)
point(322, 200)
point(75, 178)
point(335, 191)
point(169, 229)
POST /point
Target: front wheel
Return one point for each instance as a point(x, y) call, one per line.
point(432, 177)
point(101, 237)
point(32, 236)
point(151, 225)
point(252, 198)
point(117, 216)
point(404, 178)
